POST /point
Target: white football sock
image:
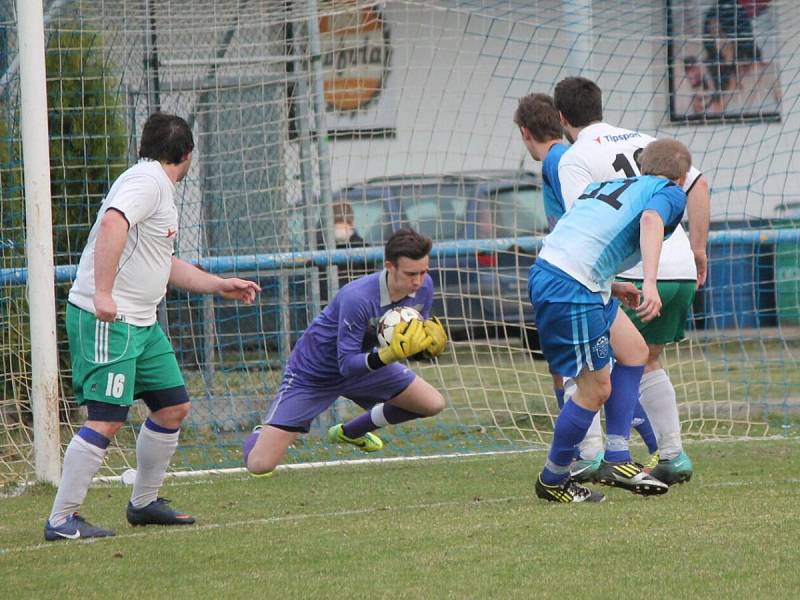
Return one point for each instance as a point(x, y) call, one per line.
point(154, 450)
point(81, 461)
point(592, 444)
point(657, 396)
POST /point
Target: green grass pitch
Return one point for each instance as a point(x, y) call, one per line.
point(443, 528)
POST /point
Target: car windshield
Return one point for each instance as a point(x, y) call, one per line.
point(445, 211)
point(370, 221)
point(438, 212)
point(519, 212)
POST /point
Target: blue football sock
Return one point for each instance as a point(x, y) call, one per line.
point(571, 427)
point(642, 424)
point(378, 416)
point(619, 410)
point(359, 426)
point(559, 397)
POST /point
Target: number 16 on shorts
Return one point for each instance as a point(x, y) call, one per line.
point(115, 387)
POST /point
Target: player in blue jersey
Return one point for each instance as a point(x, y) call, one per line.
point(611, 227)
point(540, 128)
point(337, 356)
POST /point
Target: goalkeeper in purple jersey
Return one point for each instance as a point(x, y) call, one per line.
point(337, 356)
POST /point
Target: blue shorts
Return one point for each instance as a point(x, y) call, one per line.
point(299, 402)
point(573, 322)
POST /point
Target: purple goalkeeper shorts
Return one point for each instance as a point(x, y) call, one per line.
point(297, 403)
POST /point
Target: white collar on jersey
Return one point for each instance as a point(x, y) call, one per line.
point(161, 172)
point(590, 130)
point(383, 284)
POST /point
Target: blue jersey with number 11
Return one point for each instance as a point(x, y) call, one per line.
point(599, 236)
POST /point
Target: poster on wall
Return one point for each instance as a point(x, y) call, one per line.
point(356, 57)
point(723, 60)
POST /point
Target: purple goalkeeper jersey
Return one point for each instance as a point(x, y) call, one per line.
point(336, 344)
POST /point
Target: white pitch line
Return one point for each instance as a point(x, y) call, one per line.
point(266, 521)
point(188, 529)
point(336, 463)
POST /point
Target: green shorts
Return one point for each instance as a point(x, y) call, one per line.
point(116, 362)
point(676, 299)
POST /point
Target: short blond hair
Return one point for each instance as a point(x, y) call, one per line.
point(666, 158)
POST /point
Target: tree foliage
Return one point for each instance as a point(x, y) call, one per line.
point(88, 150)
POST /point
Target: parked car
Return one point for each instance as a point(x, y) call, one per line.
point(479, 291)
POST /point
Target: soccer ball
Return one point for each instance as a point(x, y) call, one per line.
point(391, 319)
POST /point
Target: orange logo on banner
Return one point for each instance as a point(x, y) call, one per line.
point(355, 56)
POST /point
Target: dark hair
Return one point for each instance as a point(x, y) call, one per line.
point(579, 100)
point(407, 242)
point(666, 158)
point(343, 213)
point(689, 60)
point(166, 138)
point(537, 113)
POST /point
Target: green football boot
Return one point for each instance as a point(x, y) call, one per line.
point(368, 442)
point(585, 470)
point(676, 470)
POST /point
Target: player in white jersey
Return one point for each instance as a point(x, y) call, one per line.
point(119, 352)
point(601, 152)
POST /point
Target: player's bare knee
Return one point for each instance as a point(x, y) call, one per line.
point(640, 353)
point(435, 405)
point(182, 410)
point(108, 429)
point(653, 354)
point(258, 468)
point(172, 416)
point(259, 465)
point(600, 393)
point(643, 357)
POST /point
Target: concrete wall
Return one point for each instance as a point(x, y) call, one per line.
point(459, 68)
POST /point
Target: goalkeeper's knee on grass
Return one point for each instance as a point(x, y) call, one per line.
point(257, 467)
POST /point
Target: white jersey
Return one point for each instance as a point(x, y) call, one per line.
point(603, 152)
point(144, 194)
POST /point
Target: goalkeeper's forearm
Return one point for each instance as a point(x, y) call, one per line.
point(357, 364)
point(361, 364)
